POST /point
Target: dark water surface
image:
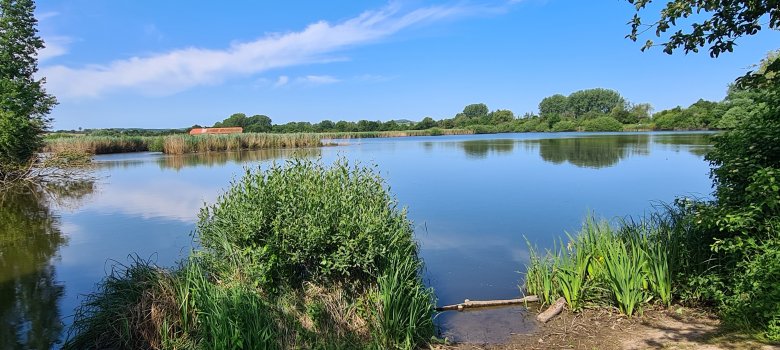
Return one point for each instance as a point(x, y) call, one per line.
point(473, 200)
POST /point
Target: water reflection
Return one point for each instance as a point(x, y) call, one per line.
point(211, 159)
point(476, 149)
point(698, 144)
point(592, 152)
point(30, 239)
point(482, 148)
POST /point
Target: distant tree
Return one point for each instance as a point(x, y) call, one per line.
point(426, 123)
point(555, 104)
point(24, 103)
point(327, 125)
point(258, 123)
point(476, 110)
point(234, 120)
point(641, 111)
point(717, 23)
point(501, 116)
point(391, 125)
point(448, 123)
point(594, 100)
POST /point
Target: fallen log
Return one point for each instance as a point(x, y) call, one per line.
point(551, 311)
point(467, 304)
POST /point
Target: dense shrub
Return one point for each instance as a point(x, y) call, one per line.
point(534, 124)
point(602, 124)
point(306, 221)
point(564, 125)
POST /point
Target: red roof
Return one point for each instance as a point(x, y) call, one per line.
point(201, 131)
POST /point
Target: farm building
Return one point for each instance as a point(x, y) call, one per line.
point(202, 131)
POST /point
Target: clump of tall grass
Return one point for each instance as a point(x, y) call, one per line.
point(625, 266)
point(127, 311)
point(299, 255)
point(181, 144)
point(103, 144)
point(404, 317)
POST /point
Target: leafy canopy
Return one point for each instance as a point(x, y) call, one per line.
point(24, 103)
point(718, 23)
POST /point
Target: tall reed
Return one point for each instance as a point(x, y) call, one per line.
point(181, 144)
point(605, 265)
point(572, 267)
point(624, 263)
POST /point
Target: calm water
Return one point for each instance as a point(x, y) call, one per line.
point(473, 200)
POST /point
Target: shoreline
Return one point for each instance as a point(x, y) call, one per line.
point(676, 327)
point(186, 144)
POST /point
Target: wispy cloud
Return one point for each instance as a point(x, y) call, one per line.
point(185, 68)
point(318, 79)
point(55, 46)
point(282, 81)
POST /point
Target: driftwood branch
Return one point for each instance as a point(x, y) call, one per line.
point(476, 303)
point(551, 311)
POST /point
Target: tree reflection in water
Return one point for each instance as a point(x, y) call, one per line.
point(592, 151)
point(481, 148)
point(30, 239)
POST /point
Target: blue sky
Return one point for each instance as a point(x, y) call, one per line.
point(160, 64)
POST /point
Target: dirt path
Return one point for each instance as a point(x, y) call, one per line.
point(680, 328)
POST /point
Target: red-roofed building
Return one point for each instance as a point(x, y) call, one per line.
point(203, 131)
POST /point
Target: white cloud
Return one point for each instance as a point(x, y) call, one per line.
point(181, 69)
point(46, 15)
point(55, 46)
point(282, 81)
point(318, 79)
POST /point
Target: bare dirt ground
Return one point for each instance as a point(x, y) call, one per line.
point(677, 328)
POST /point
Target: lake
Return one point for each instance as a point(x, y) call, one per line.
point(474, 200)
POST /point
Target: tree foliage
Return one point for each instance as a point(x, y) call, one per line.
point(24, 103)
point(718, 23)
point(553, 105)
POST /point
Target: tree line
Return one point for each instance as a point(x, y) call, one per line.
point(584, 110)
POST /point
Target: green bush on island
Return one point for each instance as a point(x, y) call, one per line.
point(299, 255)
point(602, 124)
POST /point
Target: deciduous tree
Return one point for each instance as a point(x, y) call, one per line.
point(716, 23)
point(24, 103)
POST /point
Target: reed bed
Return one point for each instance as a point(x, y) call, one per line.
point(104, 144)
point(181, 144)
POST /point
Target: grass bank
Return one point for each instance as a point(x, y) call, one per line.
point(300, 256)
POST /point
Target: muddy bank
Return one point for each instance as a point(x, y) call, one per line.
point(676, 328)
